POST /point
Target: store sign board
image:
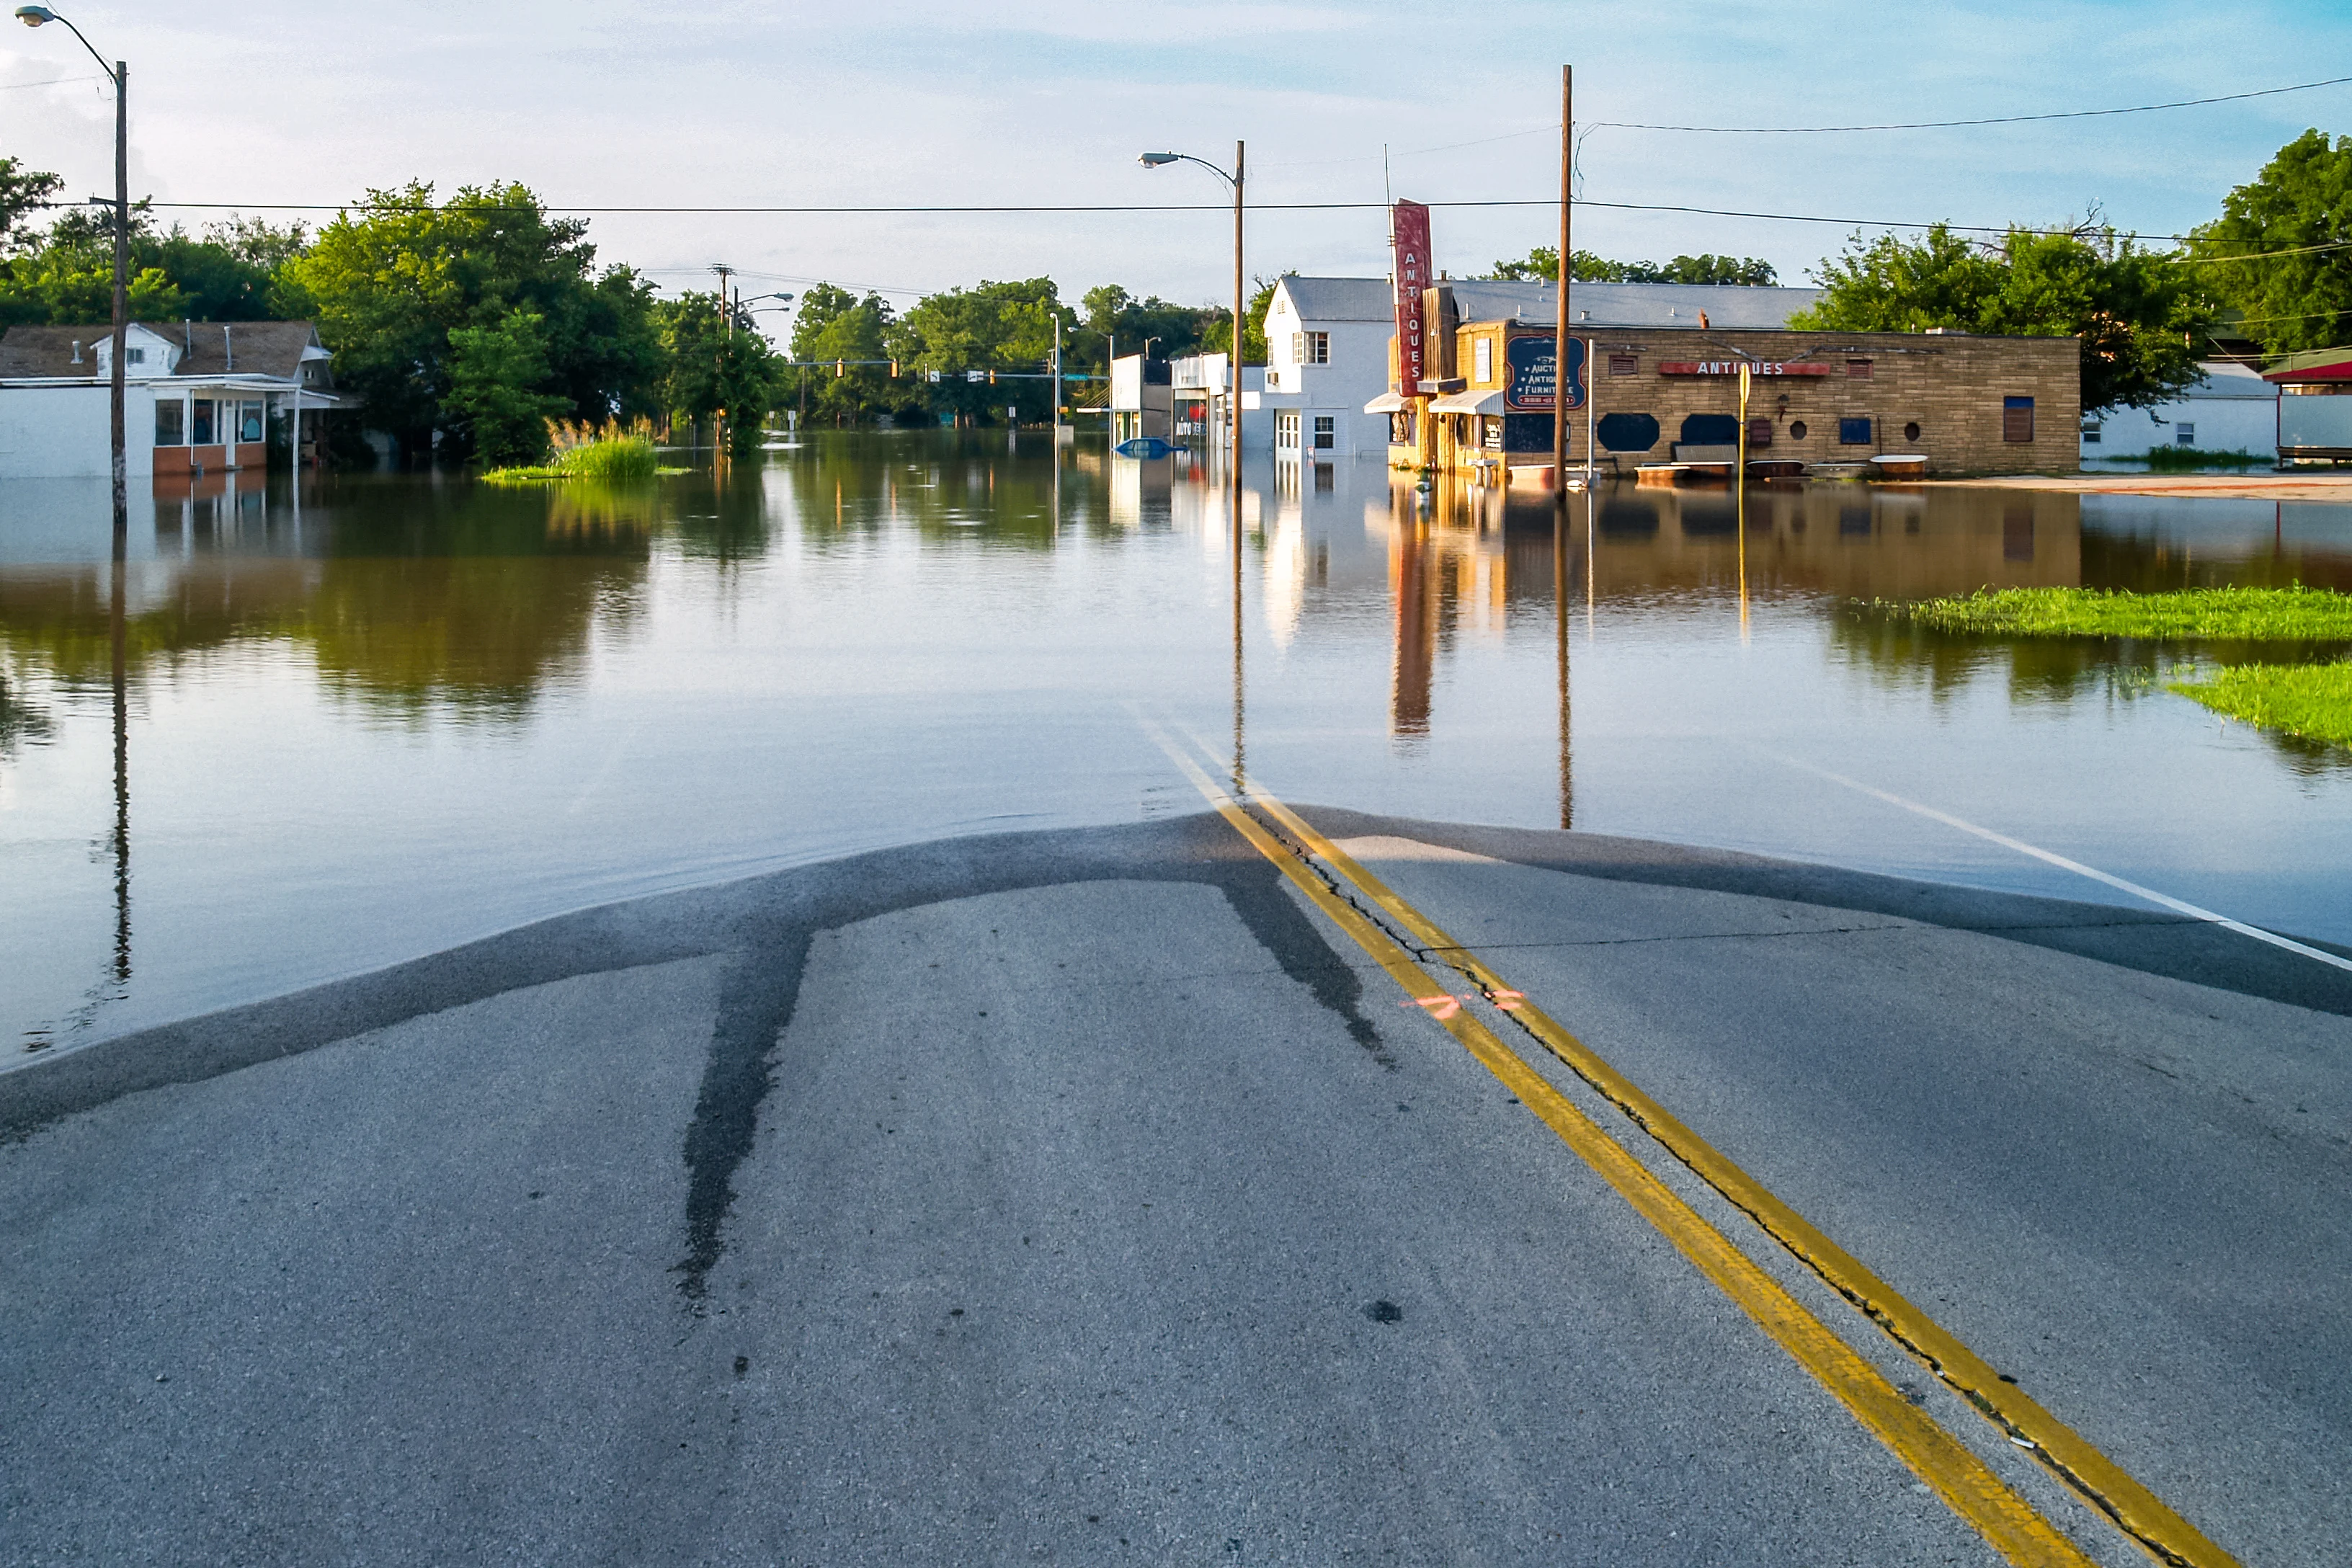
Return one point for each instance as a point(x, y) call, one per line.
point(1533, 362)
point(1731, 367)
point(1409, 228)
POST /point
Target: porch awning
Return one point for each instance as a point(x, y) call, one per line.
point(1468, 403)
point(1386, 403)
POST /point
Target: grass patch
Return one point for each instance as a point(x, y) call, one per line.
point(2194, 615)
point(2187, 459)
point(2313, 701)
point(609, 451)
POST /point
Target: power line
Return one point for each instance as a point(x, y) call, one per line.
point(1952, 124)
point(53, 81)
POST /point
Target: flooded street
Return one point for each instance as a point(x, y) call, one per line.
point(395, 712)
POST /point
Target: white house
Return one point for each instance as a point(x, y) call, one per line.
point(199, 397)
point(2232, 409)
point(1326, 342)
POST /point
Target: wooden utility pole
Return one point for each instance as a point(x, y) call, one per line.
point(1560, 331)
point(1240, 303)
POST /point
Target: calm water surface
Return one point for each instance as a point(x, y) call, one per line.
point(390, 713)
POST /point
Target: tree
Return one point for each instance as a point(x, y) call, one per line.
point(22, 191)
point(2301, 203)
point(714, 373)
point(2139, 315)
point(492, 373)
point(1542, 265)
point(389, 280)
point(1217, 337)
point(963, 334)
point(833, 324)
point(1112, 317)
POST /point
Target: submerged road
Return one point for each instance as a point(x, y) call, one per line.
point(1115, 1196)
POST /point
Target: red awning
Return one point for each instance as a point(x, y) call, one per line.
point(2340, 371)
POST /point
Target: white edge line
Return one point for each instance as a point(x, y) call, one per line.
point(2165, 899)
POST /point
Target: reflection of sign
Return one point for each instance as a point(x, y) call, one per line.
point(1731, 367)
point(1409, 256)
point(1531, 363)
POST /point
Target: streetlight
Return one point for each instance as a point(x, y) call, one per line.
point(120, 75)
point(1241, 299)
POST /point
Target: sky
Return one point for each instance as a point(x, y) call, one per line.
point(596, 102)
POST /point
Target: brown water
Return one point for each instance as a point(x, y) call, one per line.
point(395, 712)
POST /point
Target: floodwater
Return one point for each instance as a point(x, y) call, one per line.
point(306, 735)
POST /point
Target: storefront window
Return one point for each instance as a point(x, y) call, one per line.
point(171, 424)
point(250, 426)
point(200, 421)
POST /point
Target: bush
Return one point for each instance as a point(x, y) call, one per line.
point(2186, 459)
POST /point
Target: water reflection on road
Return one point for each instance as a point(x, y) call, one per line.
point(388, 713)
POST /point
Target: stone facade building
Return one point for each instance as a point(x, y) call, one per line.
point(1659, 394)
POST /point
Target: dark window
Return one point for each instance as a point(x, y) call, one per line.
point(2017, 419)
point(1796, 430)
point(1624, 432)
point(1624, 365)
point(1911, 431)
point(1854, 432)
point(170, 422)
point(1527, 432)
point(2184, 435)
point(1857, 369)
point(2090, 432)
point(1325, 430)
point(1759, 432)
point(2017, 533)
point(201, 417)
point(1711, 430)
point(1401, 427)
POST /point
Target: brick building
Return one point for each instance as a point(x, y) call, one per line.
point(1664, 394)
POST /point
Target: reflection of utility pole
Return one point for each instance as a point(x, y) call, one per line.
point(121, 637)
point(718, 420)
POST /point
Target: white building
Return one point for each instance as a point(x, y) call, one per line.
point(1327, 343)
point(2232, 409)
point(198, 398)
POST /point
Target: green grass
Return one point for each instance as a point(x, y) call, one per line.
point(2187, 459)
point(2313, 701)
point(614, 458)
point(2194, 615)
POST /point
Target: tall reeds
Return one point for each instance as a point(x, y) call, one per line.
point(613, 450)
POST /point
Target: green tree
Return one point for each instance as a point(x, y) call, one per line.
point(964, 334)
point(834, 326)
point(2139, 315)
point(23, 193)
point(1542, 265)
point(389, 280)
point(2300, 205)
point(1111, 317)
point(493, 371)
point(714, 373)
point(1217, 336)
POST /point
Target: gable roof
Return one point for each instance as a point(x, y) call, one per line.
point(260, 348)
point(1339, 299)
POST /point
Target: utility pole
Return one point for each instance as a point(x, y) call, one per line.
point(1057, 390)
point(725, 310)
point(1560, 331)
point(1240, 303)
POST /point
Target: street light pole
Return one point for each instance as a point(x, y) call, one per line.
point(120, 75)
point(1240, 303)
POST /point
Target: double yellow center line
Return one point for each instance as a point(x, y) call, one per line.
point(1350, 896)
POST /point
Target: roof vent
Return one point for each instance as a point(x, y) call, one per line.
point(228, 346)
point(76, 359)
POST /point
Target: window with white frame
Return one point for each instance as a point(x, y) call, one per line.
point(1316, 349)
point(2184, 435)
point(1327, 432)
point(2091, 429)
point(1286, 429)
point(170, 422)
point(1485, 357)
point(1299, 348)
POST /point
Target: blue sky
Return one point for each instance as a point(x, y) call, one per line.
point(600, 102)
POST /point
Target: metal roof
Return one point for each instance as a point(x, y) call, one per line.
point(1339, 298)
point(1726, 305)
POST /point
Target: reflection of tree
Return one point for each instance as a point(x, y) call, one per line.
point(948, 487)
point(20, 722)
point(473, 602)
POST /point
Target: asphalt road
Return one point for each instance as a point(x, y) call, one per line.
point(1088, 1196)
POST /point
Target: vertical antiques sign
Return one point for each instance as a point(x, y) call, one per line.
point(1409, 241)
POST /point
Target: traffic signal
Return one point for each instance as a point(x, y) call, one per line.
point(894, 370)
point(839, 370)
point(991, 378)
